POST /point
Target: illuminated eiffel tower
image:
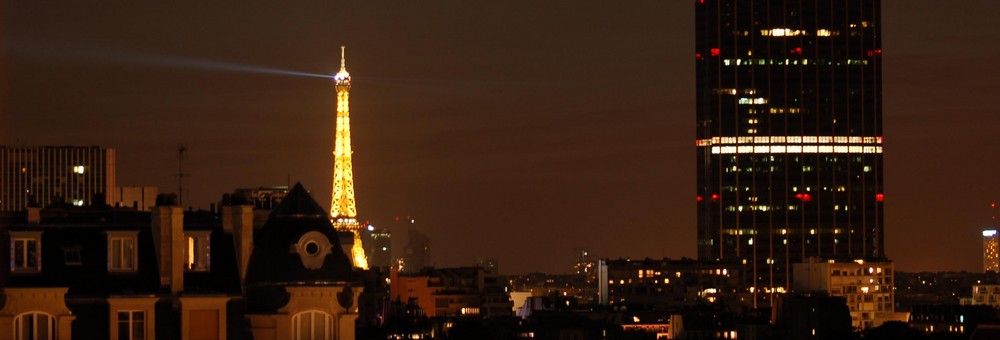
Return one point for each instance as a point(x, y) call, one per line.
point(343, 211)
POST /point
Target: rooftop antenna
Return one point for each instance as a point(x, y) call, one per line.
point(180, 174)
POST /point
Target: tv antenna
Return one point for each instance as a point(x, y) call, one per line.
point(180, 174)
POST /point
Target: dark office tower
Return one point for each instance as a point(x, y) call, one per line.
point(378, 246)
point(43, 175)
point(789, 134)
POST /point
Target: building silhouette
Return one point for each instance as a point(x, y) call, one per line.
point(136, 197)
point(42, 175)
point(378, 247)
point(417, 253)
point(789, 134)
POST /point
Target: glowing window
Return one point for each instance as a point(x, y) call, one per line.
point(197, 250)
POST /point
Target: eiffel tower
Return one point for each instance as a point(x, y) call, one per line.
point(343, 210)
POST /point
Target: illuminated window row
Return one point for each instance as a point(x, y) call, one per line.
point(753, 101)
point(790, 140)
point(788, 32)
point(748, 62)
point(794, 149)
point(732, 91)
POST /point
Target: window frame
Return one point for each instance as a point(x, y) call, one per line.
point(69, 252)
point(25, 236)
point(123, 255)
point(131, 321)
point(329, 328)
point(19, 332)
point(194, 240)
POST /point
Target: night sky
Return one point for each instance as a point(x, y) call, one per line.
point(518, 130)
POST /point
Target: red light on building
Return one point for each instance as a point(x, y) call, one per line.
point(715, 197)
point(716, 52)
point(804, 197)
point(879, 197)
point(874, 53)
point(797, 50)
point(698, 56)
point(700, 199)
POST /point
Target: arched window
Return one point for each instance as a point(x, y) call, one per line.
point(34, 326)
point(312, 325)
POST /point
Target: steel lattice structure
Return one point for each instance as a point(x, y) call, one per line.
point(343, 210)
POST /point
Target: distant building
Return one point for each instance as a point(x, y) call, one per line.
point(571, 286)
point(378, 246)
point(937, 288)
point(417, 253)
point(991, 251)
point(139, 198)
point(811, 316)
point(263, 198)
point(986, 295)
point(48, 174)
point(866, 286)
point(951, 319)
point(489, 264)
point(667, 284)
point(585, 263)
point(464, 291)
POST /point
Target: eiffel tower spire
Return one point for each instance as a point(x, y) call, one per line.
point(343, 210)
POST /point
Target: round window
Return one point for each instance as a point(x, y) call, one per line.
point(312, 248)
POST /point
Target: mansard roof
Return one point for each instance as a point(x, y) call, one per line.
point(275, 258)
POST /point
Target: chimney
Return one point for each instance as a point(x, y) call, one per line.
point(238, 221)
point(167, 224)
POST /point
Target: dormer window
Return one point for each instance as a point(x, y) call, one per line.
point(122, 251)
point(197, 250)
point(25, 251)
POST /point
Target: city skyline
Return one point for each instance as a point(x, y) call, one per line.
point(561, 127)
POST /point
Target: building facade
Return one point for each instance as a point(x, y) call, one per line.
point(665, 284)
point(99, 272)
point(867, 287)
point(448, 292)
point(991, 251)
point(135, 197)
point(986, 295)
point(43, 175)
point(789, 133)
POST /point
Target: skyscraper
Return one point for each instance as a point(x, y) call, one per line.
point(991, 251)
point(44, 174)
point(343, 210)
point(789, 134)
